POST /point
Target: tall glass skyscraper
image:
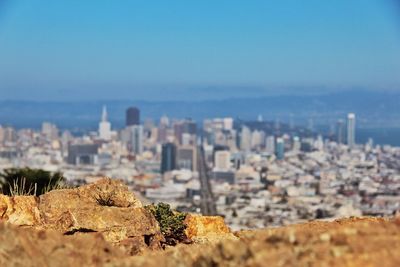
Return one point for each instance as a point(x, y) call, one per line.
point(132, 116)
point(168, 157)
point(280, 148)
point(351, 130)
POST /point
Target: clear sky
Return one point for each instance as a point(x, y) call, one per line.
point(77, 49)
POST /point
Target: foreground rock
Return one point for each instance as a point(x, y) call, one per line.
point(205, 229)
point(20, 210)
point(30, 247)
point(105, 207)
point(348, 242)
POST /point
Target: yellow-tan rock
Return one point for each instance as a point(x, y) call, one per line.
point(202, 229)
point(19, 210)
point(105, 207)
point(29, 247)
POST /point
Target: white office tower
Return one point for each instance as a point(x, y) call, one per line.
point(270, 146)
point(136, 139)
point(228, 123)
point(222, 160)
point(188, 139)
point(104, 126)
point(257, 139)
point(164, 121)
point(351, 130)
point(245, 139)
point(49, 130)
point(319, 143)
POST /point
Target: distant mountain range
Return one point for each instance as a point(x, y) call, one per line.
point(373, 109)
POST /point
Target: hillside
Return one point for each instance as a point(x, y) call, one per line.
point(103, 224)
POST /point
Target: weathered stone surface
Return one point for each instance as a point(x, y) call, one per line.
point(348, 242)
point(112, 191)
point(19, 210)
point(29, 247)
point(106, 207)
point(202, 229)
point(116, 214)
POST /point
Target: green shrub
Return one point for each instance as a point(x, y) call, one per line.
point(27, 181)
point(171, 223)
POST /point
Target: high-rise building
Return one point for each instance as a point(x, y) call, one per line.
point(104, 126)
point(280, 148)
point(351, 130)
point(136, 139)
point(296, 144)
point(257, 139)
point(245, 139)
point(270, 144)
point(1, 134)
point(186, 158)
point(228, 123)
point(186, 126)
point(340, 131)
point(132, 116)
point(168, 157)
point(222, 160)
point(9, 135)
point(79, 154)
point(49, 130)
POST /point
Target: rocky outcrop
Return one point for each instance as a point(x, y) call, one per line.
point(29, 247)
point(20, 210)
point(203, 229)
point(106, 207)
point(349, 242)
point(103, 224)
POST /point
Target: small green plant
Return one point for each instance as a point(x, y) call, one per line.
point(171, 223)
point(27, 181)
point(19, 188)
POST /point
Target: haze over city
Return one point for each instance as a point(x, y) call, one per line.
point(179, 50)
point(199, 133)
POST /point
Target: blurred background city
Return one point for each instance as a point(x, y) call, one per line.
point(265, 113)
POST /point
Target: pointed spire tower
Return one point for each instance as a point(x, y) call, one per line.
point(104, 126)
point(104, 114)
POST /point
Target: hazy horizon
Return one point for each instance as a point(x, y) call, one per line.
point(207, 50)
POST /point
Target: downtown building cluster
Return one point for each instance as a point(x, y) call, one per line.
point(260, 174)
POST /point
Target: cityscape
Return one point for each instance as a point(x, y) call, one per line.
point(253, 173)
point(200, 133)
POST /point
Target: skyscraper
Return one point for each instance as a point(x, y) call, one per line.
point(136, 139)
point(270, 144)
point(351, 130)
point(132, 116)
point(187, 158)
point(104, 126)
point(245, 139)
point(340, 131)
point(222, 160)
point(168, 157)
point(280, 148)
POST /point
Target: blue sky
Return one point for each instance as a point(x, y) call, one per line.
point(59, 50)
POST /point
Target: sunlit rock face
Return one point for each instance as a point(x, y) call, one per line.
point(103, 224)
point(20, 210)
point(201, 229)
point(106, 207)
